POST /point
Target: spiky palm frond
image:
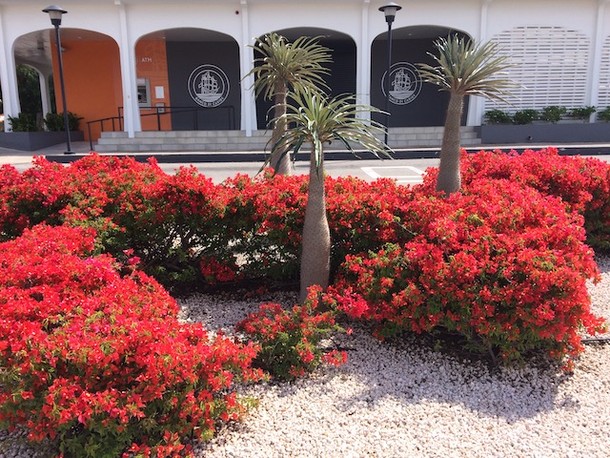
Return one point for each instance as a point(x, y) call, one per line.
point(294, 65)
point(466, 68)
point(315, 118)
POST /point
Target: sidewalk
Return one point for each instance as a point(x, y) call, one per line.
point(17, 157)
point(56, 153)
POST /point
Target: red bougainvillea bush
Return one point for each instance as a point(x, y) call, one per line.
point(88, 189)
point(501, 264)
point(290, 339)
point(94, 358)
point(581, 182)
point(186, 229)
point(109, 194)
point(263, 225)
point(264, 220)
point(364, 216)
point(177, 223)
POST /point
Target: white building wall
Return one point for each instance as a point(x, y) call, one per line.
point(248, 101)
point(359, 19)
point(579, 15)
point(219, 17)
point(553, 48)
point(463, 15)
point(131, 111)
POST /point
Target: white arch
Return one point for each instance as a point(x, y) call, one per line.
point(426, 33)
point(330, 34)
point(197, 34)
point(43, 81)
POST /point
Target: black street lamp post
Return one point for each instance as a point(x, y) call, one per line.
point(55, 13)
point(389, 11)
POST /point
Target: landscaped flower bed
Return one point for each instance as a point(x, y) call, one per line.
point(92, 350)
point(97, 359)
point(290, 338)
point(173, 222)
point(500, 264)
point(582, 183)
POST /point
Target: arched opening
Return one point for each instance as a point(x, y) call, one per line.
point(188, 79)
point(31, 86)
point(34, 67)
point(29, 81)
point(342, 76)
point(92, 72)
point(411, 102)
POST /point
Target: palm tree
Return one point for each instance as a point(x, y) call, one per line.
point(316, 119)
point(282, 67)
point(463, 68)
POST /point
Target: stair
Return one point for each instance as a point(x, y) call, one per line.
point(237, 141)
point(430, 137)
point(181, 141)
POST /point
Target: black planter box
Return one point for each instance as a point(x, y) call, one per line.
point(32, 141)
point(552, 133)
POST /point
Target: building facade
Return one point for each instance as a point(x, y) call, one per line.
point(180, 64)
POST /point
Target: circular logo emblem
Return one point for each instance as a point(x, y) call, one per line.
point(208, 86)
point(405, 83)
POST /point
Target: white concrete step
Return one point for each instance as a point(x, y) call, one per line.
point(233, 140)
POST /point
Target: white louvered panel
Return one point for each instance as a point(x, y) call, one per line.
point(603, 99)
point(550, 65)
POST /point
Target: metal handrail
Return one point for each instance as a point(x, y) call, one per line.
point(101, 121)
point(159, 112)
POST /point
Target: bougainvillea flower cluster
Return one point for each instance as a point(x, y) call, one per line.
point(583, 183)
point(98, 360)
point(500, 263)
point(290, 339)
point(94, 357)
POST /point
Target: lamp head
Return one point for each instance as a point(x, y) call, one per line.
point(55, 13)
point(389, 11)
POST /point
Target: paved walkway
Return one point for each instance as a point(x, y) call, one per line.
point(17, 157)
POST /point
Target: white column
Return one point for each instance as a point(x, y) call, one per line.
point(363, 75)
point(592, 96)
point(476, 107)
point(248, 101)
point(8, 76)
point(131, 110)
point(44, 92)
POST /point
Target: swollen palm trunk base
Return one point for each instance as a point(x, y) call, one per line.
point(315, 256)
point(449, 179)
point(280, 160)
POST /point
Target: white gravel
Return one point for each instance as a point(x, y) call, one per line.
point(404, 400)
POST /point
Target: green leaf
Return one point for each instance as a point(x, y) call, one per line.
point(317, 119)
point(467, 68)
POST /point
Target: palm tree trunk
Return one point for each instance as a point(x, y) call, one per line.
point(279, 161)
point(449, 177)
point(315, 256)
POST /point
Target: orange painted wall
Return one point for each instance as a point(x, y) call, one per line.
point(92, 75)
point(151, 64)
